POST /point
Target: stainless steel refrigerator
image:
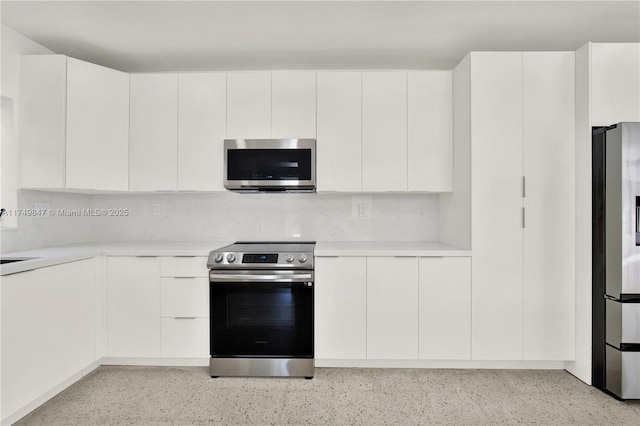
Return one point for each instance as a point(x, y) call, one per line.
point(616, 259)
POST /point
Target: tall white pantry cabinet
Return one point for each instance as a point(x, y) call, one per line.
point(521, 109)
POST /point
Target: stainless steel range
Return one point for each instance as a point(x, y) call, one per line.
point(261, 309)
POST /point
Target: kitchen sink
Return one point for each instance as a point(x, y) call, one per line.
point(14, 259)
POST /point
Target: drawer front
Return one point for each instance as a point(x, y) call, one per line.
point(185, 266)
point(623, 373)
point(184, 297)
point(185, 338)
point(623, 322)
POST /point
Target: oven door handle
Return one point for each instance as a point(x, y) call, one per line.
point(260, 276)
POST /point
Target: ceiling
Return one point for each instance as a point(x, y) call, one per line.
point(215, 35)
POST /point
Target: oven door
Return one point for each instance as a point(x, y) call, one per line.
point(259, 318)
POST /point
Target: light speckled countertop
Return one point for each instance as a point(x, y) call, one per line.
point(50, 256)
point(387, 248)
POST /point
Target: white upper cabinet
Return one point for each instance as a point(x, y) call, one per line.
point(42, 132)
point(384, 131)
point(293, 105)
point(97, 149)
point(615, 83)
point(339, 144)
point(549, 233)
point(248, 105)
point(154, 132)
point(74, 124)
point(496, 205)
point(430, 131)
point(202, 128)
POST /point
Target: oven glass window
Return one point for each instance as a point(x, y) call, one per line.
point(269, 164)
point(276, 309)
point(261, 319)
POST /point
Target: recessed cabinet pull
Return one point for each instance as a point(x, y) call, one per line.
point(184, 318)
point(182, 277)
point(523, 218)
point(524, 187)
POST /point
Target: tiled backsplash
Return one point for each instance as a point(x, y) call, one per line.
point(222, 216)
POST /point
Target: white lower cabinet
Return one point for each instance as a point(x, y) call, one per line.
point(185, 337)
point(184, 307)
point(49, 330)
point(445, 308)
point(340, 308)
point(384, 308)
point(133, 307)
point(392, 308)
point(158, 307)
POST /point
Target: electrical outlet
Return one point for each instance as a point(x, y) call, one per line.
point(157, 211)
point(361, 207)
point(363, 210)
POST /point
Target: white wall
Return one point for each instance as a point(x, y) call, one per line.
point(14, 45)
point(226, 216)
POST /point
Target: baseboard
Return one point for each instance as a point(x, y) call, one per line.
point(423, 363)
point(20, 413)
point(157, 362)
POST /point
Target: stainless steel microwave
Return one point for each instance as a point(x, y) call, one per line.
point(284, 165)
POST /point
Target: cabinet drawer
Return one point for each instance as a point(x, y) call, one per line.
point(184, 297)
point(184, 266)
point(185, 337)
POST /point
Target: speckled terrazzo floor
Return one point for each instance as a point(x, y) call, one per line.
point(188, 396)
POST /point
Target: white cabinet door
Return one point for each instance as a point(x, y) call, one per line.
point(430, 131)
point(42, 131)
point(133, 305)
point(48, 330)
point(340, 308)
point(293, 105)
point(97, 127)
point(496, 205)
point(615, 83)
point(549, 235)
point(154, 132)
point(185, 337)
point(339, 143)
point(202, 127)
point(392, 308)
point(248, 105)
point(445, 308)
point(384, 131)
point(184, 297)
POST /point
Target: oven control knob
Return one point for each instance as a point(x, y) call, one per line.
point(289, 258)
point(231, 258)
point(218, 258)
point(302, 258)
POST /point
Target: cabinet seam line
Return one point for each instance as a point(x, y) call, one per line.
point(522, 112)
